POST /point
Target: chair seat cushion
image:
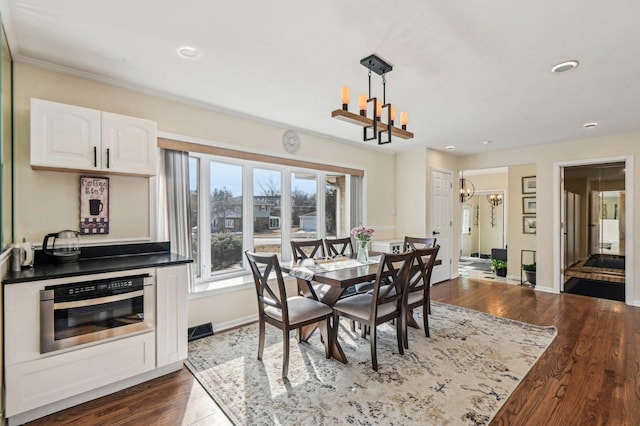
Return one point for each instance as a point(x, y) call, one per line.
point(364, 287)
point(359, 306)
point(301, 309)
point(415, 297)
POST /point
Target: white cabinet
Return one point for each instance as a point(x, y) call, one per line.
point(171, 314)
point(394, 246)
point(71, 137)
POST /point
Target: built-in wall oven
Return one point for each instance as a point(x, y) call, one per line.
point(89, 311)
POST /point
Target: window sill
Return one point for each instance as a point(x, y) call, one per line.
point(228, 285)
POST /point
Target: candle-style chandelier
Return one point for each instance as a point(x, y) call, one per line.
point(376, 117)
point(466, 189)
point(494, 199)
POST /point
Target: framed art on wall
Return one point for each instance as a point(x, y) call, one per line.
point(529, 185)
point(528, 205)
point(94, 205)
point(529, 224)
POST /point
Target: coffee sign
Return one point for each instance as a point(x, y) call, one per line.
point(94, 205)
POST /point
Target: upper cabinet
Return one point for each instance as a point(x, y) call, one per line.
point(83, 139)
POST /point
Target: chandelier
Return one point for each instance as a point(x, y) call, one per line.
point(466, 189)
point(377, 118)
point(494, 199)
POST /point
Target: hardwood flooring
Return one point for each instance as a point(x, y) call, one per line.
point(590, 375)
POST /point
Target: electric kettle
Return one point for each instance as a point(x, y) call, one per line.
point(62, 246)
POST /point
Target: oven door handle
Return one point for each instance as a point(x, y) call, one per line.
point(98, 300)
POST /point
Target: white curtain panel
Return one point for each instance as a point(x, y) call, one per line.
point(178, 207)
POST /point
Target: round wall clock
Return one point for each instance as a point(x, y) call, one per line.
point(291, 141)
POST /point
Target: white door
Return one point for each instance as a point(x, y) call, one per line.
point(442, 221)
point(594, 222)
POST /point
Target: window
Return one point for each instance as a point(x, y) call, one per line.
point(240, 205)
point(267, 193)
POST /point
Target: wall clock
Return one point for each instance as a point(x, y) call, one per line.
point(291, 141)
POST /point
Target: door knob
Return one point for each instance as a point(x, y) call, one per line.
point(436, 232)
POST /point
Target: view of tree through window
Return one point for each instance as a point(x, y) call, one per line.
point(194, 179)
point(239, 205)
point(226, 216)
point(267, 213)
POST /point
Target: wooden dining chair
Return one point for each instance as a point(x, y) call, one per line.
point(307, 249)
point(339, 246)
point(418, 290)
point(382, 305)
point(285, 313)
point(413, 243)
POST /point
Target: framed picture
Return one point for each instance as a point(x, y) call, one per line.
point(528, 205)
point(529, 224)
point(528, 184)
point(94, 205)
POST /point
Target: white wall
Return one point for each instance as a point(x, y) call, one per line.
point(48, 201)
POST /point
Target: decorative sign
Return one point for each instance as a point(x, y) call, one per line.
point(94, 205)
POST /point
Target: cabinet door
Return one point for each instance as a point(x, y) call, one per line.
point(128, 145)
point(64, 136)
point(171, 314)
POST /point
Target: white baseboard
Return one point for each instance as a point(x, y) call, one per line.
point(235, 323)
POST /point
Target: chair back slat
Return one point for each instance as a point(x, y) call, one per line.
point(414, 243)
point(421, 267)
point(339, 246)
point(308, 249)
point(391, 280)
point(261, 268)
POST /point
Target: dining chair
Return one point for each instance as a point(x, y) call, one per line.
point(285, 313)
point(339, 246)
point(382, 305)
point(412, 243)
point(307, 249)
point(418, 290)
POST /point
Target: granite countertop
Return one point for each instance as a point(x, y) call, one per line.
point(97, 260)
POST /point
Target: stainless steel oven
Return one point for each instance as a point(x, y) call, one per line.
point(89, 311)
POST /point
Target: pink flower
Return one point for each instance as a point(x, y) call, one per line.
point(362, 233)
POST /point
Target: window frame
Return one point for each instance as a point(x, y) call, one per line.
point(205, 280)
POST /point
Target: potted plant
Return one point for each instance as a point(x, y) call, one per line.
point(530, 272)
point(499, 266)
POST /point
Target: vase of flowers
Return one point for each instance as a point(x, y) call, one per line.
point(363, 236)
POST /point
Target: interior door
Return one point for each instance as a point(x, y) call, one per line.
point(442, 221)
point(594, 222)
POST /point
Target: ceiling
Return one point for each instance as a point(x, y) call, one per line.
point(467, 71)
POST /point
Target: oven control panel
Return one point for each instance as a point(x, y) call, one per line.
point(99, 288)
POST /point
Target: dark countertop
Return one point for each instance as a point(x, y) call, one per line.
point(100, 260)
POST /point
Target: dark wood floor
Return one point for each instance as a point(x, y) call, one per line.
point(590, 375)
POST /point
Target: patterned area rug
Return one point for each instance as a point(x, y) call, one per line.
point(461, 375)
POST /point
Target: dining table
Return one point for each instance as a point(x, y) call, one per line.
point(338, 274)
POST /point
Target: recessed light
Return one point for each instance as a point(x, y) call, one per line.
point(589, 125)
point(450, 147)
point(564, 66)
point(188, 52)
point(486, 142)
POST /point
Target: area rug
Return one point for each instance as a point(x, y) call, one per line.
point(595, 288)
point(461, 375)
point(606, 262)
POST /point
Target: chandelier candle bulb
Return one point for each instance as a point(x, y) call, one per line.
point(378, 110)
point(344, 96)
point(404, 119)
point(362, 104)
point(393, 114)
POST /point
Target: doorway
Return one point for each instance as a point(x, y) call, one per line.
point(594, 205)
